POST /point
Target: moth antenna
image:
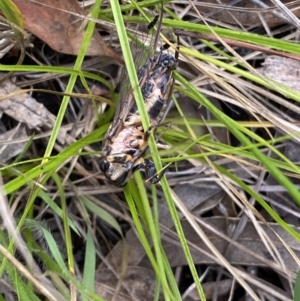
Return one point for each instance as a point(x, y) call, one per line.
point(153, 22)
point(158, 25)
point(164, 47)
point(167, 46)
point(177, 48)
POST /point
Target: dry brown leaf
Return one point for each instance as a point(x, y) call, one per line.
point(8, 149)
point(23, 108)
point(245, 12)
point(196, 198)
point(59, 24)
point(252, 252)
point(137, 284)
point(191, 110)
point(209, 288)
point(252, 245)
point(283, 70)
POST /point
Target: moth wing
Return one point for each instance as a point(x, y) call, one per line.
point(141, 53)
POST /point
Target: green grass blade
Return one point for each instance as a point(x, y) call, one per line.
point(13, 14)
point(89, 264)
point(235, 129)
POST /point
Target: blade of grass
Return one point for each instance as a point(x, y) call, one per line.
point(154, 231)
point(55, 161)
point(89, 264)
point(234, 128)
point(102, 214)
point(145, 120)
point(13, 14)
point(77, 66)
point(68, 240)
point(132, 194)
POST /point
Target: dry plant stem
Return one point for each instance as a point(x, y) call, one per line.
point(264, 287)
point(255, 108)
point(40, 286)
point(10, 225)
point(213, 249)
point(250, 278)
point(233, 192)
point(276, 266)
point(22, 54)
point(276, 13)
point(244, 217)
point(172, 239)
point(277, 256)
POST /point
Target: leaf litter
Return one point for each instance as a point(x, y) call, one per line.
point(258, 249)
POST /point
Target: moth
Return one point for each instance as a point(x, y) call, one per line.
point(126, 141)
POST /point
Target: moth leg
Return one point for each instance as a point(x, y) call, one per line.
point(149, 170)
